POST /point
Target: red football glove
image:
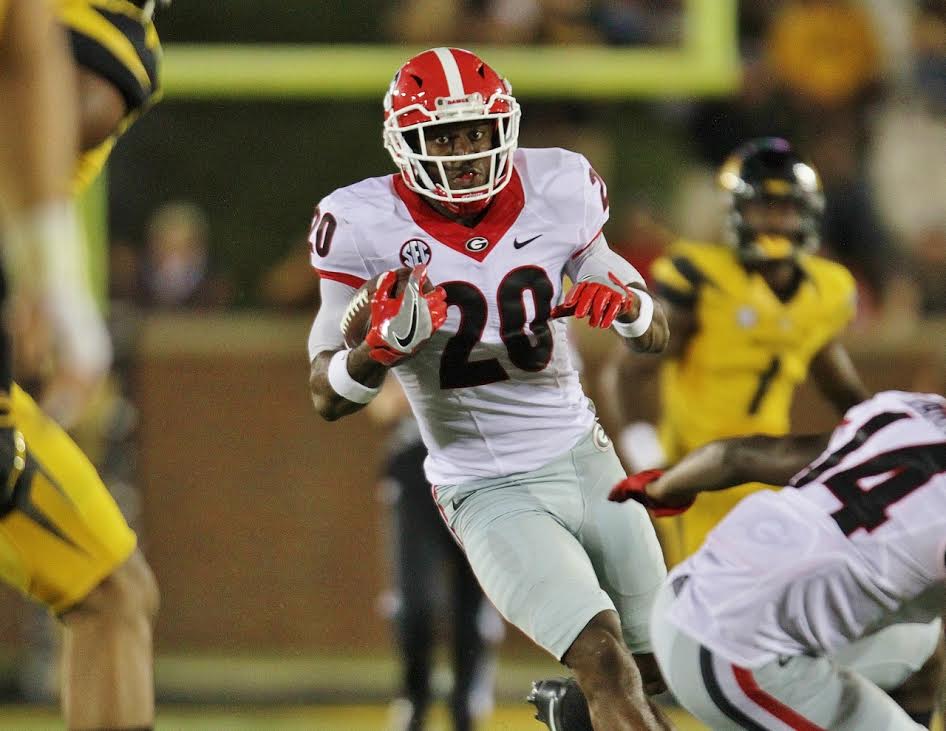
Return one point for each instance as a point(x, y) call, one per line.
point(634, 487)
point(401, 324)
point(598, 300)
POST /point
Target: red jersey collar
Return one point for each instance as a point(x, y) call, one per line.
point(503, 211)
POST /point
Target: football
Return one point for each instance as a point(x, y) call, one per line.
point(357, 316)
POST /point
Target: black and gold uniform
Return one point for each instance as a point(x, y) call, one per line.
point(118, 41)
point(60, 530)
point(749, 348)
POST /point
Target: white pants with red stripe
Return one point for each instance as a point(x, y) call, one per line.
point(803, 692)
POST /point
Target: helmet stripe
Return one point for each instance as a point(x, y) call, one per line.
point(451, 71)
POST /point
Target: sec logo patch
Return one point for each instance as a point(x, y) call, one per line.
point(415, 252)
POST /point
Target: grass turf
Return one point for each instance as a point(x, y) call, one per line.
point(293, 718)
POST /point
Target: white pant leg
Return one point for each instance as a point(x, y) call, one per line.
point(891, 655)
point(551, 552)
point(803, 692)
point(620, 541)
point(530, 565)
point(678, 656)
point(901, 643)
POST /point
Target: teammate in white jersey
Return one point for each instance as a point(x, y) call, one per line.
point(520, 469)
point(800, 598)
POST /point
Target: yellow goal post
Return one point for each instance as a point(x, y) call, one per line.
point(705, 63)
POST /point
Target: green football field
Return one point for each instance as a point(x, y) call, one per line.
point(294, 718)
point(243, 693)
point(208, 692)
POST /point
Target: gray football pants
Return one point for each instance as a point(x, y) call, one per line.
point(551, 552)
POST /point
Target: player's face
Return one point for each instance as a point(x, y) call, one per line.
point(776, 217)
point(461, 138)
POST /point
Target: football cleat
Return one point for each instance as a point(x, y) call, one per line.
point(549, 698)
point(546, 696)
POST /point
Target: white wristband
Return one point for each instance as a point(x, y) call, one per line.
point(640, 444)
point(346, 386)
point(645, 316)
point(46, 263)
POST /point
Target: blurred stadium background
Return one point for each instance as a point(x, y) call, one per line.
point(264, 525)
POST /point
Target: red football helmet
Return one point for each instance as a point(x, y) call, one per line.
point(445, 85)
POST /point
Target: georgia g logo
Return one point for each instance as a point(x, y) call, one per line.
point(477, 243)
point(415, 252)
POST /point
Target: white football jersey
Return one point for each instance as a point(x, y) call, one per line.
point(495, 390)
point(814, 566)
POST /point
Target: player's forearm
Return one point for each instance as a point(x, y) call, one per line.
point(707, 468)
point(39, 110)
point(846, 395)
point(729, 462)
point(833, 372)
point(361, 368)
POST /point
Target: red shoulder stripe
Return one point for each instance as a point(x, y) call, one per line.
point(350, 279)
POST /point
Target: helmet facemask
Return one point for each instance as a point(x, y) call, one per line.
point(758, 243)
point(797, 184)
point(406, 140)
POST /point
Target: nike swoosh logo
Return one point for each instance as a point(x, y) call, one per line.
point(403, 342)
point(519, 244)
point(457, 503)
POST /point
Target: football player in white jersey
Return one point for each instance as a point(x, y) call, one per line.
point(802, 602)
point(520, 468)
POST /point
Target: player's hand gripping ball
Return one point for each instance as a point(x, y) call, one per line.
point(395, 313)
